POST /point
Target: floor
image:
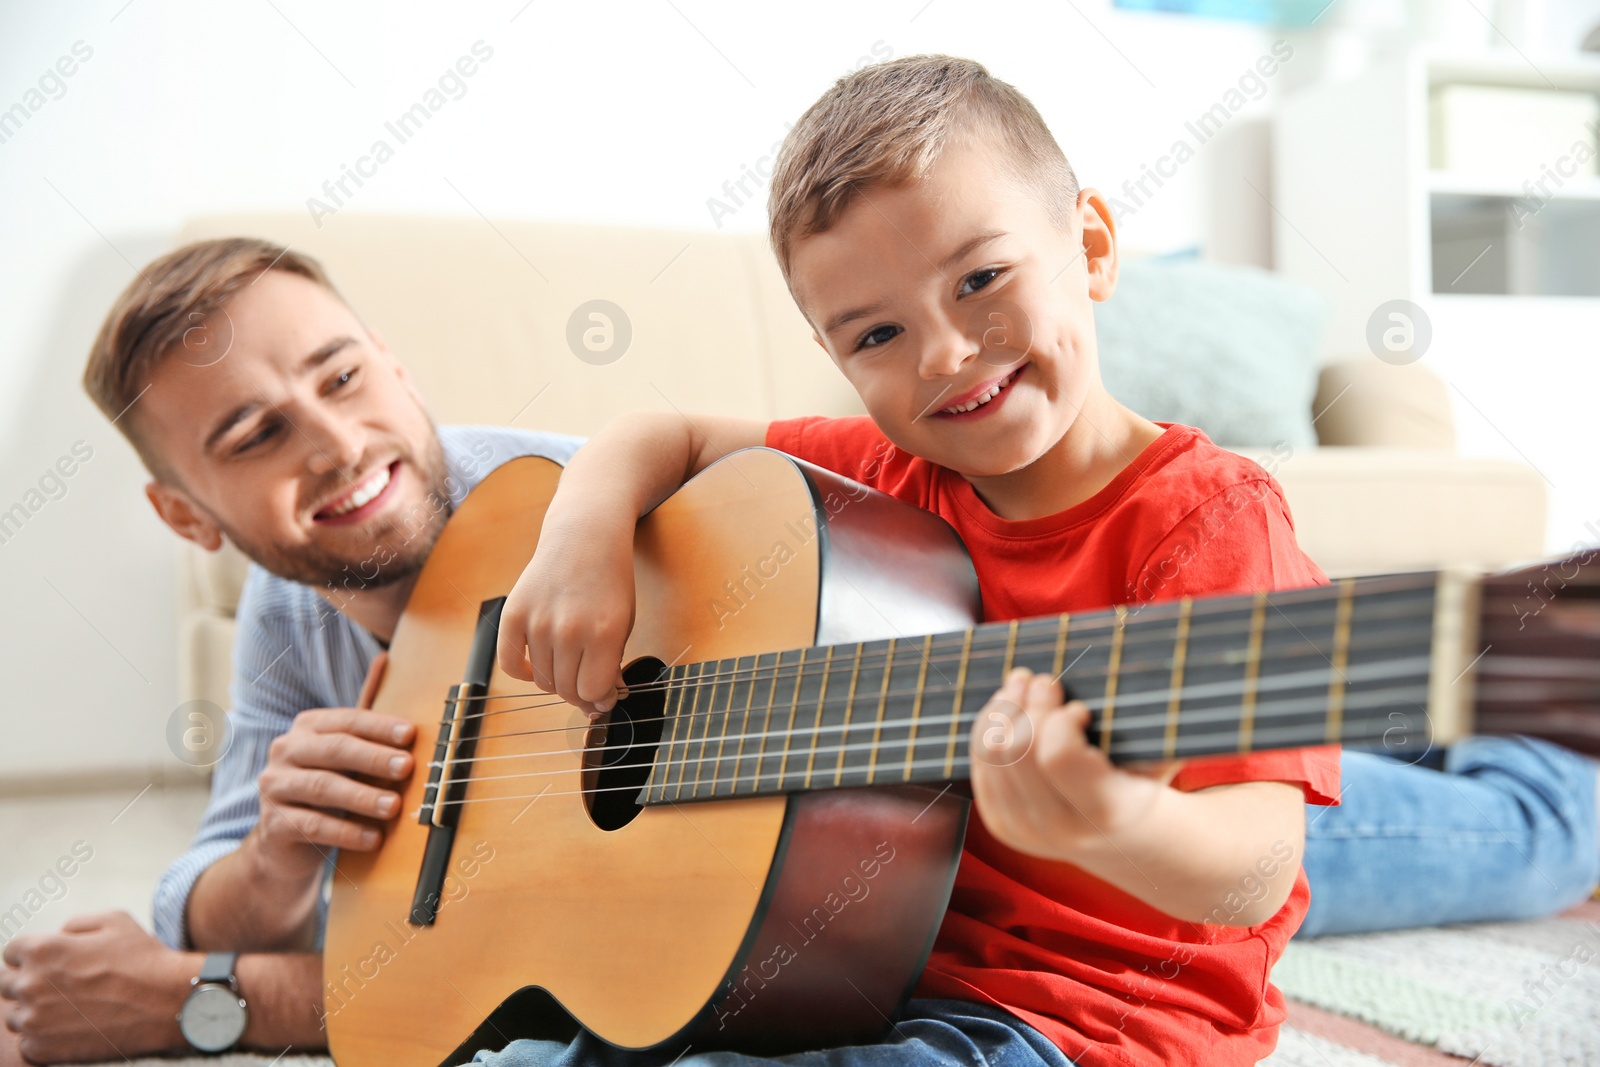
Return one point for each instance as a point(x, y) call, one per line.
point(116, 843)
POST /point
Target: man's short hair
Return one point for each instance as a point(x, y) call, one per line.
point(886, 124)
point(164, 309)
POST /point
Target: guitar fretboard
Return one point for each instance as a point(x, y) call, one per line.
point(1343, 664)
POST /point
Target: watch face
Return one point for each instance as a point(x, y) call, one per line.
point(213, 1018)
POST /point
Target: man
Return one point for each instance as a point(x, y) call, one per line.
point(273, 417)
point(268, 414)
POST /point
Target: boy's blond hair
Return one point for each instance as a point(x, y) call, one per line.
point(886, 124)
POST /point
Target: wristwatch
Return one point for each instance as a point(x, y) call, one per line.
point(214, 1016)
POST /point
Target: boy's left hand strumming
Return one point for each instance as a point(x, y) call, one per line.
point(1042, 789)
point(1039, 785)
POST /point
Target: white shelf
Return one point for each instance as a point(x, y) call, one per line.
point(1455, 184)
point(1363, 217)
point(1373, 222)
point(1523, 303)
point(1533, 71)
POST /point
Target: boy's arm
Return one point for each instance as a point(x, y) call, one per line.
point(1226, 855)
point(566, 620)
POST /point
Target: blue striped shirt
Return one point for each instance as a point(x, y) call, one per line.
point(293, 652)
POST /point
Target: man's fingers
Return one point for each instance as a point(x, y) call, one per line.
point(19, 948)
point(86, 924)
point(329, 789)
point(346, 753)
point(318, 828)
point(369, 688)
point(369, 725)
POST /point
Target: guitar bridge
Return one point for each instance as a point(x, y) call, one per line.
point(447, 777)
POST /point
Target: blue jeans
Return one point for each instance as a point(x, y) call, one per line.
point(931, 1033)
point(1505, 831)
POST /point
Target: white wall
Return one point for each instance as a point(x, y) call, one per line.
point(622, 113)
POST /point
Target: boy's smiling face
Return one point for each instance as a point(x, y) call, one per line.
point(931, 295)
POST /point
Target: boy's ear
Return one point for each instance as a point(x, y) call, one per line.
point(1099, 244)
point(183, 515)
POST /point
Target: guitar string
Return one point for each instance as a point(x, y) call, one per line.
point(1189, 692)
point(1315, 677)
point(1509, 693)
point(1273, 709)
point(1295, 709)
point(1191, 718)
point(1127, 673)
point(773, 672)
point(947, 655)
point(1141, 631)
point(961, 758)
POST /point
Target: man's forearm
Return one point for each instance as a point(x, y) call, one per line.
point(245, 902)
point(284, 992)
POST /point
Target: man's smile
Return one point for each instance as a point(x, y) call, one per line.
point(362, 499)
point(980, 400)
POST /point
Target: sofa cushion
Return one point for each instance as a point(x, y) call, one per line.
point(1232, 350)
point(1365, 401)
point(1378, 510)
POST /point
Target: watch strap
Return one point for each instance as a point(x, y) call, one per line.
point(218, 967)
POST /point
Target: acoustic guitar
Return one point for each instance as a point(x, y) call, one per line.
point(756, 848)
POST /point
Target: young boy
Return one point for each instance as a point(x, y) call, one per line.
point(937, 241)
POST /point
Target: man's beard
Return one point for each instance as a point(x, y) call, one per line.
point(397, 550)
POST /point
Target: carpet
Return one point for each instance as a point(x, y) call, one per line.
point(1524, 994)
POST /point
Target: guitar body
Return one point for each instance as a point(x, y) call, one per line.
point(768, 923)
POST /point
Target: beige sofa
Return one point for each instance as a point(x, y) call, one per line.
point(479, 311)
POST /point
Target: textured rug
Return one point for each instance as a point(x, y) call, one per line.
point(1523, 994)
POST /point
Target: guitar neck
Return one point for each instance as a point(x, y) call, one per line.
point(1357, 663)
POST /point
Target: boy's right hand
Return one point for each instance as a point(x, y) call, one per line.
point(568, 617)
point(566, 621)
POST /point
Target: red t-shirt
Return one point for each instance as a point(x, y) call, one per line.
point(1106, 977)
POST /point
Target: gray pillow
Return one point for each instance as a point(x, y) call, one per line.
point(1232, 350)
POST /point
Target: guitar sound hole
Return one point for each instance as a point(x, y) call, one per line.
point(620, 765)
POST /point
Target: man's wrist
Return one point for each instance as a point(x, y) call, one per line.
point(253, 901)
point(296, 865)
point(175, 986)
point(284, 991)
